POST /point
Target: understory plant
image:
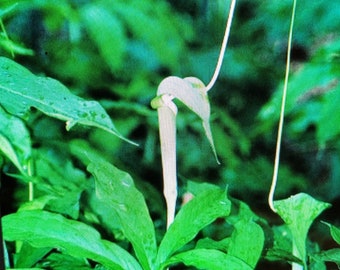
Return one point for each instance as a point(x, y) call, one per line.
point(80, 208)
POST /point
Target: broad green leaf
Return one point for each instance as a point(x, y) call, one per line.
point(192, 92)
point(196, 188)
point(282, 245)
point(242, 213)
point(20, 90)
point(7, 149)
point(208, 243)
point(15, 140)
point(83, 151)
point(107, 32)
point(243, 231)
point(208, 259)
point(335, 232)
point(299, 212)
point(245, 228)
point(38, 203)
point(29, 256)
point(116, 189)
point(194, 216)
point(60, 261)
point(331, 255)
point(58, 177)
point(43, 229)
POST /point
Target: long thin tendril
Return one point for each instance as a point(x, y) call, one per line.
point(223, 46)
point(283, 104)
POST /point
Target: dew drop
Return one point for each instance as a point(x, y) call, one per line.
point(123, 207)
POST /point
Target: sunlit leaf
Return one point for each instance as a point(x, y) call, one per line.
point(331, 255)
point(42, 229)
point(208, 259)
point(282, 245)
point(116, 189)
point(15, 140)
point(243, 231)
point(299, 212)
point(21, 90)
point(29, 256)
point(61, 261)
point(335, 232)
point(194, 216)
point(59, 179)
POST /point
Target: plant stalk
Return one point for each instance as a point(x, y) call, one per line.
point(167, 132)
point(223, 46)
point(282, 112)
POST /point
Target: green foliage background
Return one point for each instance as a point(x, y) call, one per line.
point(118, 51)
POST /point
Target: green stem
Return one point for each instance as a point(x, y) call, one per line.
point(297, 266)
point(30, 183)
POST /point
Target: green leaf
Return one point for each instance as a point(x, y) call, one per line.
point(196, 188)
point(298, 212)
point(194, 216)
point(20, 90)
point(116, 189)
point(107, 32)
point(29, 256)
point(208, 243)
point(331, 255)
point(282, 245)
point(42, 229)
point(15, 140)
point(60, 261)
point(7, 149)
point(208, 259)
point(58, 177)
point(245, 230)
point(335, 232)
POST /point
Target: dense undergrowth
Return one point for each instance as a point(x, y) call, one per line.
point(87, 197)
